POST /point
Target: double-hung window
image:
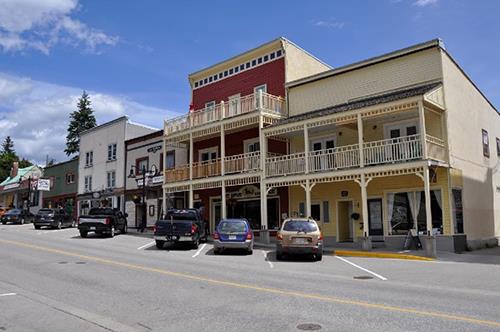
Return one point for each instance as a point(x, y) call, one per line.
point(88, 183)
point(112, 152)
point(89, 158)
point(111, 179)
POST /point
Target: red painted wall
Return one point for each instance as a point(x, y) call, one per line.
point(234, 143)
point(272, 74)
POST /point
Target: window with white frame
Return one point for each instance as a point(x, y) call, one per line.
point(396, 130)
point(210, 110)
point(234, 105)
point(251, 145)
point(89, 158)
point(111, 179)
point(88, 183)
point(486, 144)
point(70, 178)
point(208, 154)
point(112, 152)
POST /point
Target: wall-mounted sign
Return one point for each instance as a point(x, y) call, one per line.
point(155, 180)
point(11, 186)
point(344, 193)
point(155, 149)
point(43, 184)
point(96, 195)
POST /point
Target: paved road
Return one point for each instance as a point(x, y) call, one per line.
point(57, 281)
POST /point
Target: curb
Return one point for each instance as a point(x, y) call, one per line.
point(372, 254)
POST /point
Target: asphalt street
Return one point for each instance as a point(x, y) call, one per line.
point(53, 280)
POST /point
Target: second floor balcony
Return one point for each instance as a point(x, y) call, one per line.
point(261, 101)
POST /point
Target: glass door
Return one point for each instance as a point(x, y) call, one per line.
point(375, 217)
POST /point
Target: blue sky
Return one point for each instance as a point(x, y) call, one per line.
point(134, 56)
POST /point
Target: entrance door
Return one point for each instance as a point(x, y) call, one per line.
point(345, 226)
point(323, 161)
point(215, 215)
point(375, 217)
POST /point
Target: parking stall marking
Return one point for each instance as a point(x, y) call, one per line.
point(199, 250)
point(7, 294)
point(147, 245)
point(266, 253)
point(362, 268)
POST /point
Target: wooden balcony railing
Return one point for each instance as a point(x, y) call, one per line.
point(204, 169)
point(246, 162)
point(406, 148)
point(436, 148)
point(180, 173)
point(286, 164)
point(336, 158)
point(262, 101)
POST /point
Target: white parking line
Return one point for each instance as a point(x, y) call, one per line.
point(362, 268)
point(146, 245)
point(265, 253)
point(199, 250)
point(54, 231)
point(7, 294)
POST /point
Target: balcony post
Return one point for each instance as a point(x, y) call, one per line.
point(429, 242)
point(222, 111)
point(163, 203)
point(191, 153)
point(263, 146)
point(222, 150)
point(260, 100)
point(306, 147)
point(366, 243)
point(308, 198)
point(263, 205)
point(421, 118)
point(191, 197)
point(223, 200)
point(360, 141)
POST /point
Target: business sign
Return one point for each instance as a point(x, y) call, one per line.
point(43, 184)
point(149, 181)
point(155, 149)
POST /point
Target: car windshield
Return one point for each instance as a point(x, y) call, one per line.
point(15, 211)
point(300, 226)
point(232, 227)
point(45, 211)
point(99, 211)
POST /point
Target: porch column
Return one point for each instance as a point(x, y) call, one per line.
point(191, 154)
point(364, 205)
point(263, 205)
point(421, 118)
point(222, 150)
point(223, 200)
point(263, 146)
point(360, 142)
point(163, 203)
point(191, 197)
point(306, 148)
point(308, 198)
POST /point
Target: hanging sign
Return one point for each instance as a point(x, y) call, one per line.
point(43, 184)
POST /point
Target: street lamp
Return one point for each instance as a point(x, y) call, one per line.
point(21, 178)
point(144, 173)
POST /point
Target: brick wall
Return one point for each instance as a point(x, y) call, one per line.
point(272, 74)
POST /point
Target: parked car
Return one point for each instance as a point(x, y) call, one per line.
point(233, 234)
point(103, 221)
point(17, 216)
point(55, 218)
point(180, 226)
point(299, 236)
point(3, 210)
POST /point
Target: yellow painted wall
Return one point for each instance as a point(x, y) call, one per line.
point(377, 188)
point(433, 125)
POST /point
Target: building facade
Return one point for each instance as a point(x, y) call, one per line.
point(146, 152)
point(63, 186)
point(101, 166)
point(232, 102)
point(20, 190)
point(397, 143)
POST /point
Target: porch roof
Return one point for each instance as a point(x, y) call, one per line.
point(21, 172)
point(361, 103)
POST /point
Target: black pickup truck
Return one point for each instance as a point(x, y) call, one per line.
point(180, 226)
point(102, 221)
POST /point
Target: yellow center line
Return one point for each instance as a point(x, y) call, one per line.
point(432, 314)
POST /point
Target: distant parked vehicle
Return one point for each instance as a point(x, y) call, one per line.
point(54, 218)
point(103, 221)
point(3, 210)
point(299, 236)
point(180, 226)
point(17, 216)
point(233, 234)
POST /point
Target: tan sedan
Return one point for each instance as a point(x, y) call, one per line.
point(299, 236)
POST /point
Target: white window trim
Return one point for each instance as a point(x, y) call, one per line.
point(322, 139)
point(210, 104)
point(260, 86)
point(209, 150)
point(399, 125)
point(89, 156)
point(113, 178)
point(116, 151)
point(248, 142)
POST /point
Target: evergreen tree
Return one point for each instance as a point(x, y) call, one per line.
point(8, 146)
point(80, 120)
point(8, 156)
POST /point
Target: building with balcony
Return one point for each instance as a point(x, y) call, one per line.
point(391, 144)
point(232, 102)
point(101, 166)
point(20, 189)
point(146, 153)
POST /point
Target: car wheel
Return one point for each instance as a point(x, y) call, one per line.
point(319, 257)
point(124, 229)
point(112, 232)
point(160, 244)
point(4, 223)
point(250, 251)
point(37, 227)
point(83, 234)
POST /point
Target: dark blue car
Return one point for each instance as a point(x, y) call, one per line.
point(233, 234)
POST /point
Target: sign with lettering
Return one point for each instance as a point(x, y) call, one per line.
point(155, 149)
point(43, 184)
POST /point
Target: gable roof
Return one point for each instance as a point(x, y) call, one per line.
point(21, 172)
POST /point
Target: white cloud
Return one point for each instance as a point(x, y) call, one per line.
point(424, 3)
point(41, 24)
point(333, 24)
point(36, 114)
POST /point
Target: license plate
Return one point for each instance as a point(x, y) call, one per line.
point(232, 237)
point(300, 240)
point(92, 228)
